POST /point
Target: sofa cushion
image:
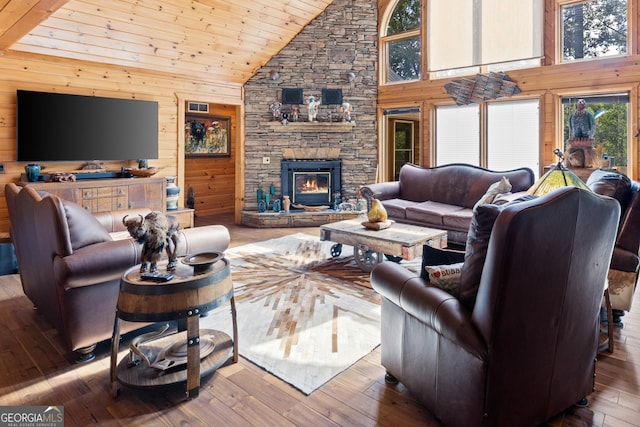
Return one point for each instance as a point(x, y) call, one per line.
point(460, 219)
point(396, 207)
point(84, 229)
point(430, 212)
point(478, 236)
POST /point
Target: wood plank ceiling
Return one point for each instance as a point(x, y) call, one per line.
point(219, 40)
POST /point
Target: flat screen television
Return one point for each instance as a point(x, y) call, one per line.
point(63, 127)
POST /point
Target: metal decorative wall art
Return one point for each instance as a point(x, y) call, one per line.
point(481, 88)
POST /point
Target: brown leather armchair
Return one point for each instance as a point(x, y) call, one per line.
point(526, 349)
point(625, 262)
point(70, 265)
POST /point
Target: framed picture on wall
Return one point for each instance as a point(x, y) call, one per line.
point(207, 136)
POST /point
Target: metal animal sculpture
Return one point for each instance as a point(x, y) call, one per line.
point(156, 233)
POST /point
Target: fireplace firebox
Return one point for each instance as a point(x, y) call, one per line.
point(311, 182)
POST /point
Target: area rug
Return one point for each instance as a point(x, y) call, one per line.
point(302, 315)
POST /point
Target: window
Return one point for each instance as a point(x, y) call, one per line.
point(401, 128)
point(402, 44)
point(458, 135)
point(610, 112)
point(512, 137)
point(466, 33)
point(593, 29)
point(404, 142)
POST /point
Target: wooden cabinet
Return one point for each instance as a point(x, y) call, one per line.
point(184, 215)
point(103, 195)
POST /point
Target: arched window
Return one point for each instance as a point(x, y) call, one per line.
point(401, 43)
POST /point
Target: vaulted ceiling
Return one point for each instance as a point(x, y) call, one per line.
point(220, 40)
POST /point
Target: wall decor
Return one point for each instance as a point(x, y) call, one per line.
point(483, 87)
point(207, 136)
point(291, 96)
point(331, 96)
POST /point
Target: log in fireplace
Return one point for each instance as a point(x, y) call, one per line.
point(311, 182)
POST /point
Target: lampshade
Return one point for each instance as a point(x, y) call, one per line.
point(559, 176)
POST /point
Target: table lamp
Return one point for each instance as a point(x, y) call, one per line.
point(559, 176)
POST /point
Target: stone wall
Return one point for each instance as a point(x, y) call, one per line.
point(341, 40)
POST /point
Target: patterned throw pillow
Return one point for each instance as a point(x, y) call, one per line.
point(446, 277)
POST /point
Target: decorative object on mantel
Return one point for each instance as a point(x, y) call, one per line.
point(173, 193)
point(346, 109)
point(143, 173)
point(482, 88)
point(286, 203)
point(33, 172)
point(61, 177)
point(312, 106)
point(310, 208)
point(276, 109)
point(93, 166)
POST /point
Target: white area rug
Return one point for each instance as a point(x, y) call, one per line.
point(302, 315)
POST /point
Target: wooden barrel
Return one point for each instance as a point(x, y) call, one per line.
point(187, 294)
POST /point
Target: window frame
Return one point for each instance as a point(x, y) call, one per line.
point(631, 38)
point(632, 118)
point(483, 126)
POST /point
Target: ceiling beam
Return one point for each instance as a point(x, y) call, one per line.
point(21, 16)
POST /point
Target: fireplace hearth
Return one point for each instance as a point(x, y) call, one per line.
point(311, 182)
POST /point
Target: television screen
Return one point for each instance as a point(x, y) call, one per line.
point(62, 127)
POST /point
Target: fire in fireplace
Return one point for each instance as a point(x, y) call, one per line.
point(311, 182)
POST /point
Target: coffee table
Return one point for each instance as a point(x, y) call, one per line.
point(400, 241)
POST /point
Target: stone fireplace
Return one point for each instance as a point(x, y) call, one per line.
point(311, 182)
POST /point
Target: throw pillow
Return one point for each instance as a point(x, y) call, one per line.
point(84, 228)
point(484, 216)
point(501, 187)
point(446, 277)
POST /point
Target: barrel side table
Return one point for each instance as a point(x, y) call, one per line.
point(191, 293)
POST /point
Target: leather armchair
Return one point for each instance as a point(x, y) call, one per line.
point(70, 264)
point(625, 262)
point(526, 349)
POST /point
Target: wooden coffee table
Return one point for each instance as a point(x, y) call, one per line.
point(400, 241)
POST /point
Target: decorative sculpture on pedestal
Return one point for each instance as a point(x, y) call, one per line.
point(157, 233)
point(582, 127)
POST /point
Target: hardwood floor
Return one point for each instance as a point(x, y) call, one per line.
point(36, 371)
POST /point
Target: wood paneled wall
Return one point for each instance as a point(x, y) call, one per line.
point(42, 73)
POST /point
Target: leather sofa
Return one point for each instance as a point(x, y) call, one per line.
point(526, 350)
point(71, 262)
point(625, 262)
point(441, 197)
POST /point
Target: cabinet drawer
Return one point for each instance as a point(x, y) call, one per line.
point(90, 205)
point(119, 203)
point(88, 193)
